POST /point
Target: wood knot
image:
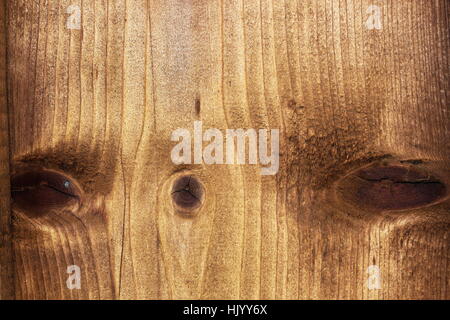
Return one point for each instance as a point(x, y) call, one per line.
point(187, 194)
point(391, 187)
point(197, 106)
point(38, 192)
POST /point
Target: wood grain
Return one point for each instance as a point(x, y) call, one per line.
point(6, 263)
point(99, 105)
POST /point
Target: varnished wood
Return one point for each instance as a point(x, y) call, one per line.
point(99, 105)
point(6, 262)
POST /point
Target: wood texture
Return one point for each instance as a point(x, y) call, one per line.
point(6, 263)
point(99, 105)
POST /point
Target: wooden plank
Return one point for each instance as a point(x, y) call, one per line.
point(98, 104)
point(6, 265)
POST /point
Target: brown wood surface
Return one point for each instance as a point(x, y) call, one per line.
point(99, 106)
point(6, 263)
